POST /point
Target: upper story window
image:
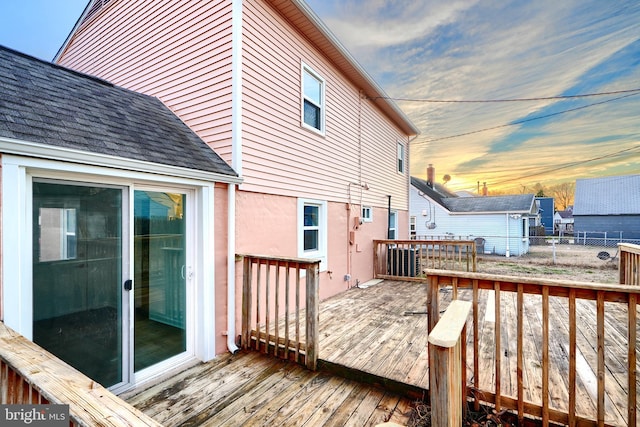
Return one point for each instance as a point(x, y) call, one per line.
point(313, 108)
point(412, 227)
point(401, 161)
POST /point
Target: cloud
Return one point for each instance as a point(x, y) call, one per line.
point(492, 49)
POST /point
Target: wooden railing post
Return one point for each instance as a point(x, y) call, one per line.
point(446, 364)
point(246, 303)
point(313, 316)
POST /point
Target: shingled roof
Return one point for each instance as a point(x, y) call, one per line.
point(521, 203)
point(44, 103)
point(610, 195)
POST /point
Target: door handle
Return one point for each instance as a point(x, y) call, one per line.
point(128, 285)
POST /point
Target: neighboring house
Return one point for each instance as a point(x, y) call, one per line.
point(102, 186)
point(546, 210)
point(608, 208)
point(321, 150)
point(563, 221)
point(502, 221)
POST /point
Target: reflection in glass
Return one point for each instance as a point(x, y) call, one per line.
point(160, 277)
point(77, 263)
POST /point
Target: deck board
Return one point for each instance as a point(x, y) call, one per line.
point(370, 330)
point(252, 389)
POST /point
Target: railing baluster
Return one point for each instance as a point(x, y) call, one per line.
point(545, 355)
point(267, 298)
point(601, 374)
point(476, 353)
point(286, 314)
point(258, 273)
point(520, 355)
point(297, 312)
point(572, 358)
point(498, 351)
point(631, 360)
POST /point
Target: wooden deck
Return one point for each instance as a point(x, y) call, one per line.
point(252, 389)
point(381, 330)
point(376, 333)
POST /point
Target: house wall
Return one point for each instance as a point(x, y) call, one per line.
point(491, 227)
point(596, 225)
point(179, 52)
point(280, 156)
point(182, 54)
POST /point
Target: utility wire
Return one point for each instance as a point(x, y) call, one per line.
point(519, 122)
point(479, 101)
point(567, 165)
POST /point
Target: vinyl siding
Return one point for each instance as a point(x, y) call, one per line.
point(179, 52)
point(491, 227)
point(280, 156)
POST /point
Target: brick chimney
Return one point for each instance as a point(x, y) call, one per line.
point(431, 174)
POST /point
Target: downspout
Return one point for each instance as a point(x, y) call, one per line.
point(507, 254)
point(389, 218)
point(236, 164)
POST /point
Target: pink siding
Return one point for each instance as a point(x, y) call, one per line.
point(179, 52)
point(282, 157)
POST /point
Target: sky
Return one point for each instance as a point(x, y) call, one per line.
point(468, 50)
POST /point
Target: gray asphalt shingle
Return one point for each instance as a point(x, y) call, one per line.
point(41, 102)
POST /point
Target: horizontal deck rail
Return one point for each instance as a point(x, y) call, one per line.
point(401, 259)
point(629, 264)
point(31, 375)
point(276, 293)
point(532, 298)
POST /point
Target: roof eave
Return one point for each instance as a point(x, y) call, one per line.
point(325, 40)
point(49, 152)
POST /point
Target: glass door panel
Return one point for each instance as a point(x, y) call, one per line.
point(77, 277)
point(159, 277)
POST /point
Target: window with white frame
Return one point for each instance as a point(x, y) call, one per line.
point(393, 225)
point(367, 214)
point(313, 110)
point(312, 230)
point(400, 157)
point(412, 227)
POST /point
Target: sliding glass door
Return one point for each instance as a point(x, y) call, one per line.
point(108, 314)
point(77, 277)
point(160, 277)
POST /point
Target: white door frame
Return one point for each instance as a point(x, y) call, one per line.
point(17, 250)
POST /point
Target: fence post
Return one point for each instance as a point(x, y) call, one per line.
point(446, 363)
point(313, 316)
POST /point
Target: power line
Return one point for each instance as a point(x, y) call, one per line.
point(479, 101)
point(568, 165)
point(519, 122)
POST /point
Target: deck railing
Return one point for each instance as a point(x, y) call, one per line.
point(629, 268)
point(29, 375)
point(573, 351)
point(394, 259)
point(276, 293)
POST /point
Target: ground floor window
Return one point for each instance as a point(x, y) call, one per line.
point(312, 230)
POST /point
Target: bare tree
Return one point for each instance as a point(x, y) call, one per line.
point(563, 194)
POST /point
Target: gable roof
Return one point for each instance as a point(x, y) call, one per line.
point(305, 20)
point(522, 203)
point(44, 103)
point(438, 193)
point(611, 195)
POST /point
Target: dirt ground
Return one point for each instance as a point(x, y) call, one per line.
point(572, 262)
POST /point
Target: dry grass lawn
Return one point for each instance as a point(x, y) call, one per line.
point(572, 262)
